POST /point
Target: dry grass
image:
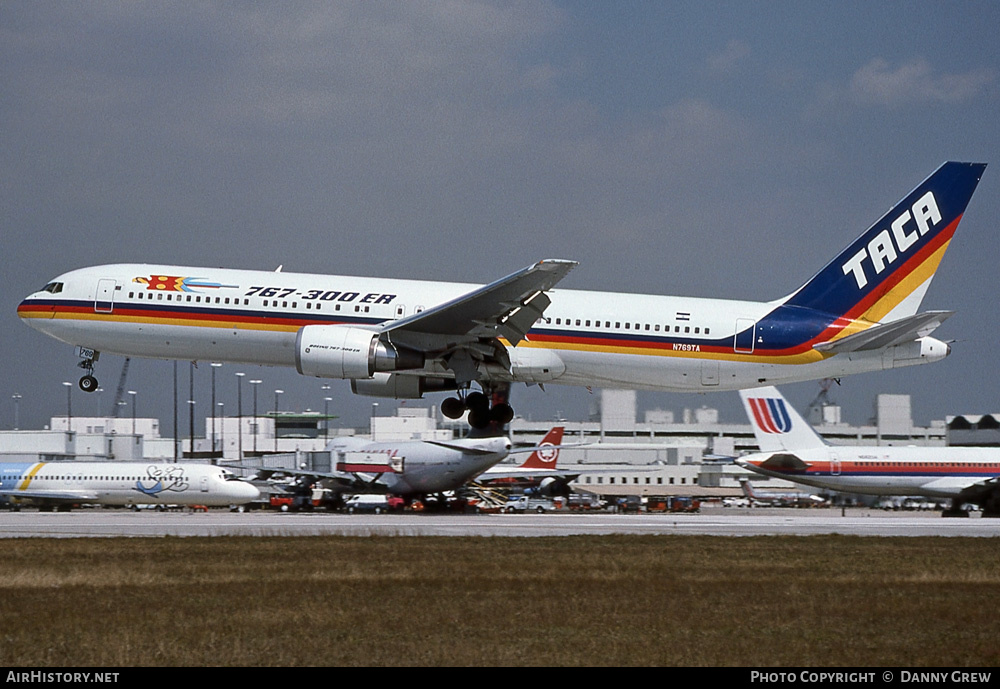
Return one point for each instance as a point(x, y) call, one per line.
point(622, 600)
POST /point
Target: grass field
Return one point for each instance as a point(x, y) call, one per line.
point(617, 600)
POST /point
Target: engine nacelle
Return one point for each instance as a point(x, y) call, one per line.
point(552, 486)
point(395, 386)
point(341, 351)
point(535, 365)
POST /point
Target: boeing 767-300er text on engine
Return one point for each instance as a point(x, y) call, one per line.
point(404, 338)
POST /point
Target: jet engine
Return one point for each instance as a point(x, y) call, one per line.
point(341, 351)
point(400, 387)
point(551, 486)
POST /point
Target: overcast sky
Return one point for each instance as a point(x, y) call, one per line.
point(704, 149)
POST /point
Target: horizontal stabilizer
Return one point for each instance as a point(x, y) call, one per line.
point(887, 334)
point(784, 462)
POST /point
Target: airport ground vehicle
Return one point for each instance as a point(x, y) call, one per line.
point(672, 503)
point(376, 504)
point(528, 503)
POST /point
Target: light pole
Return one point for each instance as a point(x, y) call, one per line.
point(17, 404)
point(326, 412)
point(132, 394)
point(69, 406)
point(239, 413)
point(177, 431)
point(191, 407)
point(191, 429)
point(222, 426)
point(256, 419)
point(276, 393)
point(214, 366)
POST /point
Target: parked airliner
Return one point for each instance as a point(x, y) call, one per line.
point(63, 484)
point(407, 468)
point(774, 498)
point(403, 338)
point(792, 450)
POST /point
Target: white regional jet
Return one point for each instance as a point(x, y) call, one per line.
point(792, 450)
point(63, 484)
point(404, 338)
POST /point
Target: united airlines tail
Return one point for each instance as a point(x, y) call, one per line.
point(883, 275)
point(776, 423)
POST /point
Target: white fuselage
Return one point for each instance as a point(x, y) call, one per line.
point(422, 467)
point(939, 472)
point(586, 338)
point(124, 483)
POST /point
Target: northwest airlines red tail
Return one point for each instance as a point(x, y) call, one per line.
point(547, 454)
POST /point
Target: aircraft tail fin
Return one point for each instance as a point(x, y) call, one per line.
point(883, 275)
point(546, 455)
point(776, 424)
point(747, 489)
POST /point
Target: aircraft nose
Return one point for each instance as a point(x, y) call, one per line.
point(246, 491)
point(31, 309)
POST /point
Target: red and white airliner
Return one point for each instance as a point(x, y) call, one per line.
point(792, 450)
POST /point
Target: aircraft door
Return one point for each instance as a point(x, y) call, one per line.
point(104, 300)
point(204, 484)
point(709, 372)
point(746, 331)
point(834, 464)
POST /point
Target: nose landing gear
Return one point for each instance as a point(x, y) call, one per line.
point(88, 383)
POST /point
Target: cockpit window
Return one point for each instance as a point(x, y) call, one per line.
point(53, 288)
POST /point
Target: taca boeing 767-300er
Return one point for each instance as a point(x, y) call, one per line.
point(404, 338)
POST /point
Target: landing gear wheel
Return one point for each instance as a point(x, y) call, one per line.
point(477, 401)
point(452, 408)
point(479, 418)
point(88, 383)
point(502, 414)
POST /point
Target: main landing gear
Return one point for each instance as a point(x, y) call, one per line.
point(481, 414)
point(88, 383)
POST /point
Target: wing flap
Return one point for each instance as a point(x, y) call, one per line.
point(507, 307)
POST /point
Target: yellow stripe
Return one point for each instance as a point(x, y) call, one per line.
point(30, 475)
point(906, 286)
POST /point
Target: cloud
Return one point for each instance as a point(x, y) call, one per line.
point(728, 61)
point(878, 83)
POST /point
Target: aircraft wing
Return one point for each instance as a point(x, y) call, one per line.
point(347, 481)
point(505, 308)
point(467, 449)
point(50, 495)
point(962, 487)
point(887, 334)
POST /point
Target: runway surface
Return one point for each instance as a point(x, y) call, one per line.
point(714, 522)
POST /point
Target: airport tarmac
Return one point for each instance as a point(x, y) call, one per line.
point(712, 522)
